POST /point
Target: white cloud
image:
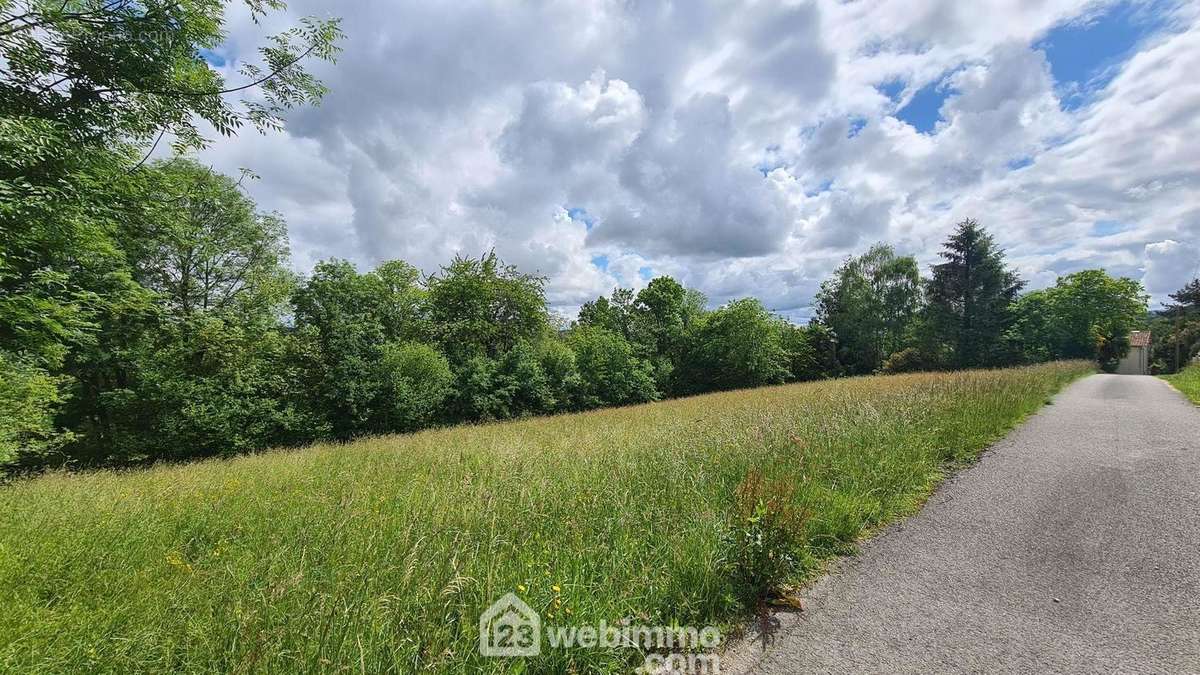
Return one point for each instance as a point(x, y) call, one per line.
point(1167, 262)
point(743, 148)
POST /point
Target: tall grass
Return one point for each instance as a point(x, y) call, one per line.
point(1187, 381)
point(379, 555)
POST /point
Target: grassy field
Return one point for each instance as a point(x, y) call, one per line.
point(1187, 381)
point(379, 555)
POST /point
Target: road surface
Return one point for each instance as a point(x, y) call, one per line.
point(1073, 546)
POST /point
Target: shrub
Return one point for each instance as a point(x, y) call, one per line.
point(907, 360)
point(29, 398)
point(420, 380)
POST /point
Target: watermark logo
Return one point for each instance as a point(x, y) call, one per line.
point(510, 628)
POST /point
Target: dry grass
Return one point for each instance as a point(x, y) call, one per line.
point(379, 555)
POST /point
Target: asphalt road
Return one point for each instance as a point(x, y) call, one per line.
point(1073, 546)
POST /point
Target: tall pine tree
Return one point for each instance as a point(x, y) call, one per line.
point(969, 298)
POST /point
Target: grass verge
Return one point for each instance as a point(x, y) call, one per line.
point(380, 555)
point(1187, 381)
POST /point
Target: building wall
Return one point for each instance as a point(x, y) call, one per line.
point(1136, 362)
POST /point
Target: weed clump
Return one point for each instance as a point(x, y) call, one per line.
point(766, 538)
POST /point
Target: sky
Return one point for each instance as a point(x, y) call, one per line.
point(744, 148)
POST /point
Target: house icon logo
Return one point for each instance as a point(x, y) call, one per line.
point(510, 628)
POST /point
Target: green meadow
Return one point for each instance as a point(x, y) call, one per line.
point(379, 555)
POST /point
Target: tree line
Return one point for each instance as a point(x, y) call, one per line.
point(970, 312)
point(195, 339)
point(148, 311)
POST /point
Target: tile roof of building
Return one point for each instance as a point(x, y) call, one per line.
point(1139, 338)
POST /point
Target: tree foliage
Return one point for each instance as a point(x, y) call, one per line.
point(419, 381)
point(484, 308)
point(1176, 331)
point(88, 89)
point(969, 298)
point(739, 345)
point(609, 372)
point(204, 247)
point(871, 303)
point(349, 319)
point(105, 69)
point(1186, 300)
point(1094, 314)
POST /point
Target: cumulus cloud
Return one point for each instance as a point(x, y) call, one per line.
point(1167, 262)
point(684, 191)
point(743, 148)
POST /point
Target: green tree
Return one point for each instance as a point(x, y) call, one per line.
point(811, 349)
point(204, 246)
point(738, 345)
point(1177, 334)
point(524, 383)
point(1085, 315)
point(28, 399)
point(656, 322)
point(1035, 334)
point(207, 386)
point(88, 87)
point(562, 374)
point(482, 307)
point(870, 304)
point(615, 313)
point(610, 372)
point(103, 70)
point(514, 385)
point(664, 312)
point(969, 299)
point(62, 270)
point(213, 275)
point(350, 318)
point(1094, 314)
point(1186, 300)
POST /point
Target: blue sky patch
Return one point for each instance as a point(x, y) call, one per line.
point(601, 262)
point(581, 215)
point(214, 59)
point(1019, 163)
point(645, 273)
point(923, 109)
point(771, 160)
point(1107, 228)
point(1085, 55)
point(824, 186)
point(891, 89)
point(766, 168)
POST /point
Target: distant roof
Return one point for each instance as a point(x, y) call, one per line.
point(1139, 338)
